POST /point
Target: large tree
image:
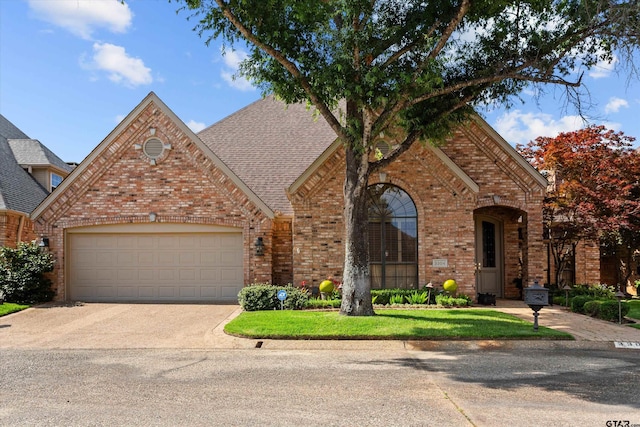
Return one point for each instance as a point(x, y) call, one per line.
point(419, 66)
point(594, 191)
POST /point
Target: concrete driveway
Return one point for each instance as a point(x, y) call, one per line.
point(121, 326)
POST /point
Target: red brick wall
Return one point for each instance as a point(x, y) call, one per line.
point(587, 263)
point(445, 205)
point(282, 251)
point(10, 228)
point(121, 186)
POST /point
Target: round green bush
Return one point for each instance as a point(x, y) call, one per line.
point(592, 308)
point(609, 310)
point(22, 274)
point(263, 296)
point(578, 302)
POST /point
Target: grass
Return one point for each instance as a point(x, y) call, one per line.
point(634, 312)
point(388, 324)
point(8, 308)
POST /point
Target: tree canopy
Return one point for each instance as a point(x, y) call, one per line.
point(594, 190)
point(417, 65)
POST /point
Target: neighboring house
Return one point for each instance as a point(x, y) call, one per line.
point(28, 172)
point(158, 213)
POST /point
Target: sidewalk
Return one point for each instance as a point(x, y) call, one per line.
point(583, 328)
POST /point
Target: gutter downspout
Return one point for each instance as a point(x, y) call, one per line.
point(20, 228)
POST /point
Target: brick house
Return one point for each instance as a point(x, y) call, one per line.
point(29, 171)
point(158, 213)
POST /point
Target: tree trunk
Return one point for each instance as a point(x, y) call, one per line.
point(356, 286)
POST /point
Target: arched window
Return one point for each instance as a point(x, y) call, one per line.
point(393, 238)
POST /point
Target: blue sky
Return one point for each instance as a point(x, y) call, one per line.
point(70, 70)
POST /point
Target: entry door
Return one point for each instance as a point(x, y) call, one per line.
point(489, 258)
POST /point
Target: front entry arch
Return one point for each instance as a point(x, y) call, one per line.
point(489, 255)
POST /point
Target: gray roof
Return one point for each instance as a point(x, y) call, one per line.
point(18, 190)
point(269, 145)
point(32, 152)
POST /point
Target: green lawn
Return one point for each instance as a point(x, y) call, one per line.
point(8, 308)
point(388, 324)
point(634, 311)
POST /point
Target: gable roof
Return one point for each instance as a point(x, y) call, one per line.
point(508, 148)
point(151, 98)
point(32, 153)
point(269, 144)
point(18, 190)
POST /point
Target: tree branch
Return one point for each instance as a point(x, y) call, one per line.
point(289, 66)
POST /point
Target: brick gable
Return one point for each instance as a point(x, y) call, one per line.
point(118, 184)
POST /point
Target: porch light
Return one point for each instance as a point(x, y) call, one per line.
point(383, 176)
point(619, 295)
point(259, 247)
point(44, 242)
point(152, 216)
point(566, 288)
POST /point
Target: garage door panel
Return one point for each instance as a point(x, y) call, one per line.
point(209, 258)
point(209, 292)
point(187, 275)
point(146, 291)
point(145, 275)
point(126, 258)
point(229, 293)
point(146, 258)
point(188, 258)
point(162, 267)
point(209, 275)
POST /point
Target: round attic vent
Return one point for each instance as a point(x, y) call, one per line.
point(153, 148)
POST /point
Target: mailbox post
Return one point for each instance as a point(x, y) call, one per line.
point(536, 297)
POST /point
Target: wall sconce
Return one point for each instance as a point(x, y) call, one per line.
point(152, 131)
point(44, 242)
point(259, 247)
point(152, 216)
point(383, 176)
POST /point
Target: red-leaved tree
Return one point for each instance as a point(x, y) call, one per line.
point(594, 192)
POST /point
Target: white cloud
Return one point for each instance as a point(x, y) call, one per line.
point(120, 67)
point(119, 118)
point(195, 126)
point(518, 127)
point(83, 17)
point(232, 60)
point(603, 69)
point(615, 104)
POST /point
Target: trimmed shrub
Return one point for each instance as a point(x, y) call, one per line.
point(609, 310)
point(559, 300)
point(445, 300)
point(595, 291)
point(22, 274)
point(577, 303)
point(323, 303)
point(592, 308)
point(263, 296)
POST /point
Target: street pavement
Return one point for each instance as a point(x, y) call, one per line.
point(168, 365)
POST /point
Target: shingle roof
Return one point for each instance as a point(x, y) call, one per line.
point(268, 145)
point(18, 190)
point(32, 152)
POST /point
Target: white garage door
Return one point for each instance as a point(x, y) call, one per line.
point(154, 266)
